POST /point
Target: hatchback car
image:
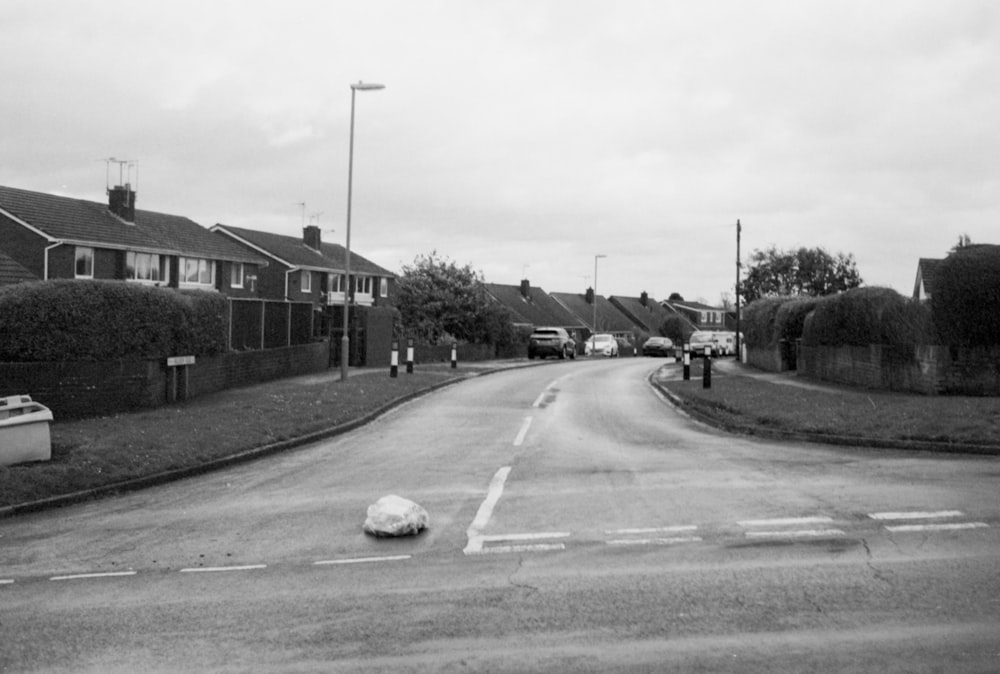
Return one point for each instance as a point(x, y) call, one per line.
point(551, 342)
point(658, 346)
point(602, 345)
point(701, 340)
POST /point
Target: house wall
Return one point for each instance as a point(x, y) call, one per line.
point(920, 369)
point(23, 245)
point(84, 389)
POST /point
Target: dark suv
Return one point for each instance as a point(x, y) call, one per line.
point(551, 342)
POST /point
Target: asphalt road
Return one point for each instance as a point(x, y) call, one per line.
point(578, 523)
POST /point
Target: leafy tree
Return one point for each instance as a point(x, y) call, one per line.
point(440, 301)
point(966, 299)
point(675, 297)
point(806, 271)
point(676, 328)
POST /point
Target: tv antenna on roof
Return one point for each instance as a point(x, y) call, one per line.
point(125, 167)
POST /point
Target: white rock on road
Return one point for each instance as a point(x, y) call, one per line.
point(395, 516)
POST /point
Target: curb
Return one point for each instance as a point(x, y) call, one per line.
point(699, 414)
point(237, 458)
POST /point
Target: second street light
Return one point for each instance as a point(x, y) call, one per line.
point(345, 341)
point(593, 332)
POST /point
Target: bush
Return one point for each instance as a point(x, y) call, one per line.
point(790, 318)
point(757, 322)
point(868, 316)
point(965, 299)
point(67, 320)
point(676, 328)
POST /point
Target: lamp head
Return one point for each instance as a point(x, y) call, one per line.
point(367, 86)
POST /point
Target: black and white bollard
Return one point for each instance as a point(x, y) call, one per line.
point(394, 360)
point(706, 375)
point(454, 355)
point(409, 356)
point(687, 361)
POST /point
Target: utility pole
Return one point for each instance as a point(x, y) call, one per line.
point(739, 345)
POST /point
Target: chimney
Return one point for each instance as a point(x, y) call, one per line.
point(121, 202)
point(310, 236)
point(590, 296)
point(644, 298)
point(525, 289)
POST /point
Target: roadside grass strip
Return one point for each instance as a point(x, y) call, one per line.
point(927, 525)
point(663, 537)
point(756, 528)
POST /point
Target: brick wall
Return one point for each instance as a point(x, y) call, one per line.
point(921, 369)
point(82, 389)
point(765, 358)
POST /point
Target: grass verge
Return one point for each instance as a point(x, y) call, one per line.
point(101, 452)
point(748, 404)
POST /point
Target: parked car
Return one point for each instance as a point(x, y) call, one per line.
point(551, 342)
point(700, 340)
point(727, 343)
point(658, 346)
point(601, 345)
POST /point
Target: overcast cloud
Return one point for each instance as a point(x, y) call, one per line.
point(525, 137)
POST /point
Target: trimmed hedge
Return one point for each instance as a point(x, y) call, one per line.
point(67, 320)
point(965, 299)
point(866, 316)
point(758, 321)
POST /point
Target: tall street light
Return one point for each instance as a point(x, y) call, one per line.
point(593, 333)
point(345, 341)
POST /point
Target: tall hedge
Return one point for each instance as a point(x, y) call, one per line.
point(965, 297)
point(868, 316)
point(757, 322)
point(67, 320)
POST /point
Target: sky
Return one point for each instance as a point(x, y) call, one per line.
point(524, 138)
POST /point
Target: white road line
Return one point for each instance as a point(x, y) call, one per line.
point(902, 528)
point(6, 581)
point(785, 521)
point(795, 533)
point(485, 511)
point(534, 547)
point(525, 537)
point(540, 399)
point(217, 569)
point(655, 541)
point(362, 560)
point(653, 530)
point(80, 576)
point(523, 432)
point(916, 515)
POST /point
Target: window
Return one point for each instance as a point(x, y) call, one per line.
point(197, 271)
point(145, 267)
point(306, 281)
point(383, 287)
point(84, 262)
point(363, 285)
point(236, 275)
point(336, 283)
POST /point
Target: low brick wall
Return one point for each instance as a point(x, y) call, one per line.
point(920, 369)
point(82, 389)
point(764, 358)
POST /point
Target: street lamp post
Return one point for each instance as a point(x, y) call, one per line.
point(593, 332)
point(345, 341)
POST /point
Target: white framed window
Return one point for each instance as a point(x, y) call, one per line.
point(363, 285)
point(306, 282)
point(147, 267)
point(236, 272)
point(197, 271)
point(336, 283)
point(84, 265)
point(383, 287)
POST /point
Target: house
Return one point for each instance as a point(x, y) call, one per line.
point(307, 269)
point(11, 271)
point(923, 286)
point(532, 307)
point(54, 237)
point(702, 316)
point(587, 308)
point(644, 311)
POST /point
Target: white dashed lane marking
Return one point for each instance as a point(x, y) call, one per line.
point(663, 536)
point(913, 516)
point(756, 529)
point(83, 576)
point(362, 560)
point(223, 569)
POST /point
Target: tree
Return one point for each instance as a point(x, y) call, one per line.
point(675, 297)
point(440, 302)
point(676, 328)
point(806, 271)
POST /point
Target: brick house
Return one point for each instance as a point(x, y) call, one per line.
point(923, 286)
point(532, 307)
point(644, 311)
point(610, 319)
point(702, 316)
point(308, 269)
point(55, 237)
